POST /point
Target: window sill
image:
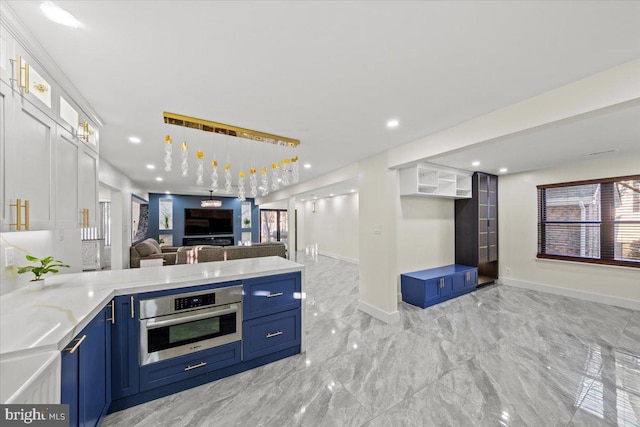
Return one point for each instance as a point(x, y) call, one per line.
point(591, 262)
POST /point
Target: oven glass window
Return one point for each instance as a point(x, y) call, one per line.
point(190, 332)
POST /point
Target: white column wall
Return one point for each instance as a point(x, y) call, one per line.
point(378, 198)
point(517, 222)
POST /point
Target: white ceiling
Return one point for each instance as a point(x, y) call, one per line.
point(332, 73)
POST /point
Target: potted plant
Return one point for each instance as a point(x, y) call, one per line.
point(247, 223)
point(47, 265)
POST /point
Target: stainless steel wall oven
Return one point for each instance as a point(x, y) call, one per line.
point(176, 325)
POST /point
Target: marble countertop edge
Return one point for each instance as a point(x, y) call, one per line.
point(47, 320)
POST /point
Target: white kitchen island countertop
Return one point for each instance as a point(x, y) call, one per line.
point(34, 321)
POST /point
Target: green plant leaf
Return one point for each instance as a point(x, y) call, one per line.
point(25, 269)
point(31, 258)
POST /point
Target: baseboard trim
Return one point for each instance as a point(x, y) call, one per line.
point(573, 293)
point(393, 317)
point(340, 257)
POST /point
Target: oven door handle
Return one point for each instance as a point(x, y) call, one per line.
point(154, 324)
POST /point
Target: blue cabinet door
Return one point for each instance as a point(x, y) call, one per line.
point(69, 385)
point(95, 370)
point(446, 286)
point(86, 372)
point(124, 347)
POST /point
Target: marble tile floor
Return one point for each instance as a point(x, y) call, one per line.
point(500, 356)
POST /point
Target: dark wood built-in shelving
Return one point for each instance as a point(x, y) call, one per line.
point(477, 228)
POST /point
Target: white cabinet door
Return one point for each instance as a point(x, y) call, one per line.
point(88, 184)
point(67, 210)
point(28, 167)
point(6, 122)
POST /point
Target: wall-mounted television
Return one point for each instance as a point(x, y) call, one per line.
point(199, 222)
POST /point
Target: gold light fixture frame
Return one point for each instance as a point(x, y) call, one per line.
point(209, 126)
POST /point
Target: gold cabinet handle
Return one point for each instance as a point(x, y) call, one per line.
point(19, 75)
point(26, 78)
point(279, 294)
point(19, 206)
point(85, 217)
point(75, 347)
point(113, 312)
point(199, 365)
point(275, 334)
point(26, 215)
point(133, 309)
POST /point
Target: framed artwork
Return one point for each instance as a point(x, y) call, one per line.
point(166, 214)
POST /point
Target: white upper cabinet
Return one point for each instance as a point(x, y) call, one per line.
point(67, 210)
point(48, 150)
point(28, 172)
point(435, 181)
point(88, 173)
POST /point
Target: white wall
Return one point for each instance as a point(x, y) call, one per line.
point(122, 188)
point(517, 207)
point(64, 245)
point(333, 226)
point(378, 187)
point(425, 231)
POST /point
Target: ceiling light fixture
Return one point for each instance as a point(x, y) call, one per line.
point(210, 202)
point(150, 166)
point(158, 178)
point(135, 139)
point(58, 15)
point(167, 192)
point(353, 190)
point(331, 195)
point(307, 165)
point(475, 163)
point(393, 123)
point(503, 170)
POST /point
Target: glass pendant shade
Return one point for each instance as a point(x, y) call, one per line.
point(214, 176)
point(167, 153)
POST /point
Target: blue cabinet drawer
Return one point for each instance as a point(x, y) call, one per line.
point(191, 365)
point(271, 294)
point(270, 334)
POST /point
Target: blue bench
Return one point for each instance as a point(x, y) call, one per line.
point(425, 288)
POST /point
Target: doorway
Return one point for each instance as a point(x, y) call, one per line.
point(274, 226)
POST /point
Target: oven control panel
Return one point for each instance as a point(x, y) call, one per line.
point(194, 301)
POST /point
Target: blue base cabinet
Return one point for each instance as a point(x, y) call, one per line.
point(271, 330)
point(425, 288)
point(125, 341)
point(272, 319)
point(86, 372)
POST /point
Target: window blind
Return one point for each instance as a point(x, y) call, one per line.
point(591, 221)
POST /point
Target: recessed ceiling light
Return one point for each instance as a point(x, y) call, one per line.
point(279, 179)
point(503, 170)
point(307, 165)
point(353, 190)
point(134, 139)
point(158, 178)
point(393, 123)
point(331, 195)
point(167, 192)
point(150, 166)
point(475, 163)
point(315, 198)
point(302, 200)
point(58, 15)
